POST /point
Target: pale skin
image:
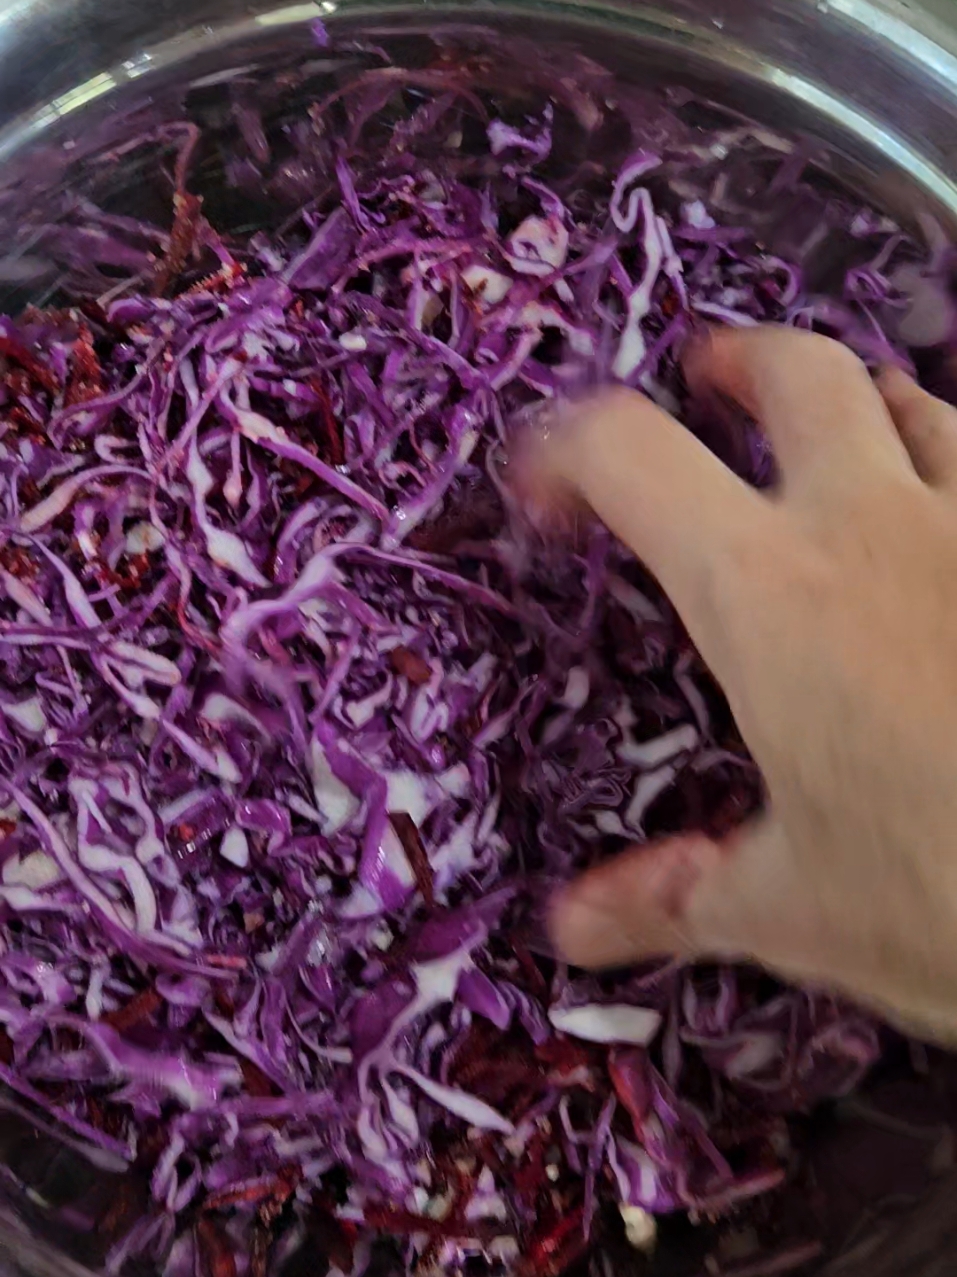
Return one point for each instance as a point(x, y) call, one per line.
point(827, 610)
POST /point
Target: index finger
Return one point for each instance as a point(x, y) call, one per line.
point(658, 489)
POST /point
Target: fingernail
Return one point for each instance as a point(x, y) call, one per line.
point(537, 478)
point(587, 928)
point(528, 433)
point(574, 925)
point(674, 870)
point(539, 421)
point(695, 348)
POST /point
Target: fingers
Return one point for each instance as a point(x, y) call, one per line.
point(660, 490)
point(927, 426)
point(748, 898)
point(694, 898)
point(813, 396)
point(634, 906)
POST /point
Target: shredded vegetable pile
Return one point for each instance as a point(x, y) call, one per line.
point(300, 722)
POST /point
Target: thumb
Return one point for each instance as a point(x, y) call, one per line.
point(748, 898)
point(688, 517)
point(692, 897)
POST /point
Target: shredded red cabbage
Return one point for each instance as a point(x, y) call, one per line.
point(299, 723)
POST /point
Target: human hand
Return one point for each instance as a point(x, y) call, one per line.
point(827, 610)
